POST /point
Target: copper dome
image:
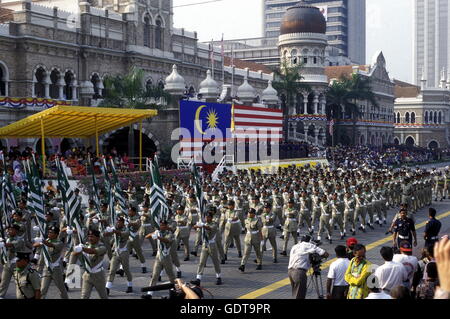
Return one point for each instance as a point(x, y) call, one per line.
point(303, 18)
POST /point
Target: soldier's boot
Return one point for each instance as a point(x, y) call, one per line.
point(194, 253)
point(222, 261)
point(120, 272)
point(219, 281)
point(196, 282)
point(283, 253)
point(129, 290)
point(225, 257)
point(144, 270)
point(178, 274)
point(107, 291)
point(241, 268)
point(259, 267)
point(154, 253)
point(240, 254)
point(342, 235)
point(275, 261)
point(186, 258)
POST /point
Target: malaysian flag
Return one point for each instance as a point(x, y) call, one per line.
point(257, 123)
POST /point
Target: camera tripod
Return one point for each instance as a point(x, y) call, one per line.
point(316, 281)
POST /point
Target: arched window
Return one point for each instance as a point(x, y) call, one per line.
point(147, 31)
point(161, 84)
point(39, 87)
point(413, 117)
point(95, 80)
point(440, 117)
point(149, 84)
point(159, 35)
point(294, 58)
point(3, 81)
point(435, 118)
point(54, 88)
point(398, 117)
point(68, 89)
point(426, 117)
point(407, 117)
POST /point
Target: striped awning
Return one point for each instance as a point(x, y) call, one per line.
point(74, 122)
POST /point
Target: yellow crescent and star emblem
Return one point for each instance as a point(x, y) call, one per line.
point(212, 119)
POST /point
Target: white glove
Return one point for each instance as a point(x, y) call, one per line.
point(95, 221)
point(69, 231)
point(78, 248)
point(108, 229)
point(155, 235)
point(141, 213)
point(38, 240)
point(36, 228)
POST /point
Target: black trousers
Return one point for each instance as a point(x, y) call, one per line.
point(339, 292)
point(299, 282)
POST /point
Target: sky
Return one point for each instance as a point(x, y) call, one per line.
point(389, 27)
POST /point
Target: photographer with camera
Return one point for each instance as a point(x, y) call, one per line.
point(299, 264)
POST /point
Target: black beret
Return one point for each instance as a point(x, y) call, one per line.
point(94, 232)
point(22, 255)
point(54, 229)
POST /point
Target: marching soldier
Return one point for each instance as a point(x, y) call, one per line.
point(277, 202)
point(336, 214)
point(28, 285)
point(193, 218)
point(349, 213)
point(305, 210)
point(147, 227)
point(163, 259)
point(268, 231)
point(182, 231)
point(121, 256)
point(232, 229)
point(253, 238)
point(440, 184)
point(209, 249)
point(325, 218)
point(94, 277)
point(360, 209)
point(14, 244)
point(290, 225)
point(369, 206)
point(54, 271)
point(134, 224)
point(315, 208)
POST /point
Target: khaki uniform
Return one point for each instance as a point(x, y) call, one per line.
point(290, 225)
point(182, 232)
point(360, 210)
point(315, 210)
point(209, 249)
point(325, 218)
point(440, 185)
point(193, 219)
point(96, 276)
point(8, 269)
point(349, 213)
point(134, 224)
point(305, 211)
point(121, 256)
point(163, 259)
point(269, 232)
point(277, 201)
point(337, 210)
point(56, 272)
point(218, 236)
point(232, 230)
point(369, 206)
point(146, 228)
point(27, 282)
point(252, 239)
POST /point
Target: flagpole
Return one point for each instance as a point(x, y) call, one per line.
point(223, 63)
point(232, 72)
point(212, 58)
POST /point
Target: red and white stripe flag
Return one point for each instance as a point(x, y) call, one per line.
point(257, 123)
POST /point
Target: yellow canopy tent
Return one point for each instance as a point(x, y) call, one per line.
point(76, 122)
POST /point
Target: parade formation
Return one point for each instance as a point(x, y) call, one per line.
point(329, 203)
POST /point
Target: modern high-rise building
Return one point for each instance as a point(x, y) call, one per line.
point(346, 24)
point(431, 51)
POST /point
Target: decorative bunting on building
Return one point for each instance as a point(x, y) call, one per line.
point(16, 103)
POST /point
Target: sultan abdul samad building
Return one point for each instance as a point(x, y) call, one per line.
point(59, 52)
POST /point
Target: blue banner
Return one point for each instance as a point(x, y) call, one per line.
point(200, 118)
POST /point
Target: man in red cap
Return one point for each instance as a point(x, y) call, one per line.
point(351, 242)
point(409, 261)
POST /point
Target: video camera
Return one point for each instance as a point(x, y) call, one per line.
point(174, 293)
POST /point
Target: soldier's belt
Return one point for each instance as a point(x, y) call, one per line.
point(253, 232)
point(403, 237)
point(123, 249)
point(146, 225)
point(265, 226)
point(194, 214)
point(292, 219)
point(233, 221)
point(182, 227)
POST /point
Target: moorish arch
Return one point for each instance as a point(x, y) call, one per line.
point(396, 141)
point(119, 139)
point(410, 141)
point(433, 145)
point(4, 79)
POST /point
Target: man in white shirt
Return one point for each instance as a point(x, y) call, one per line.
point(376, 293)
point(391, 274)
point(336, 275)
point(409, 261)
point(299, 265)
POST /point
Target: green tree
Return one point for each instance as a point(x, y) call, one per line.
point(288, 83)
point(343, 96)
point(130, 91)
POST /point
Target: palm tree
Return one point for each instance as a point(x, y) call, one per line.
point(342, 97)
point(130, 91)
point(287, 83)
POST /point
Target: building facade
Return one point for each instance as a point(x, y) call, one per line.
point(375, 125)
point(59, 52)
point(431, 50)
point(346, 24)
point(422, 115)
